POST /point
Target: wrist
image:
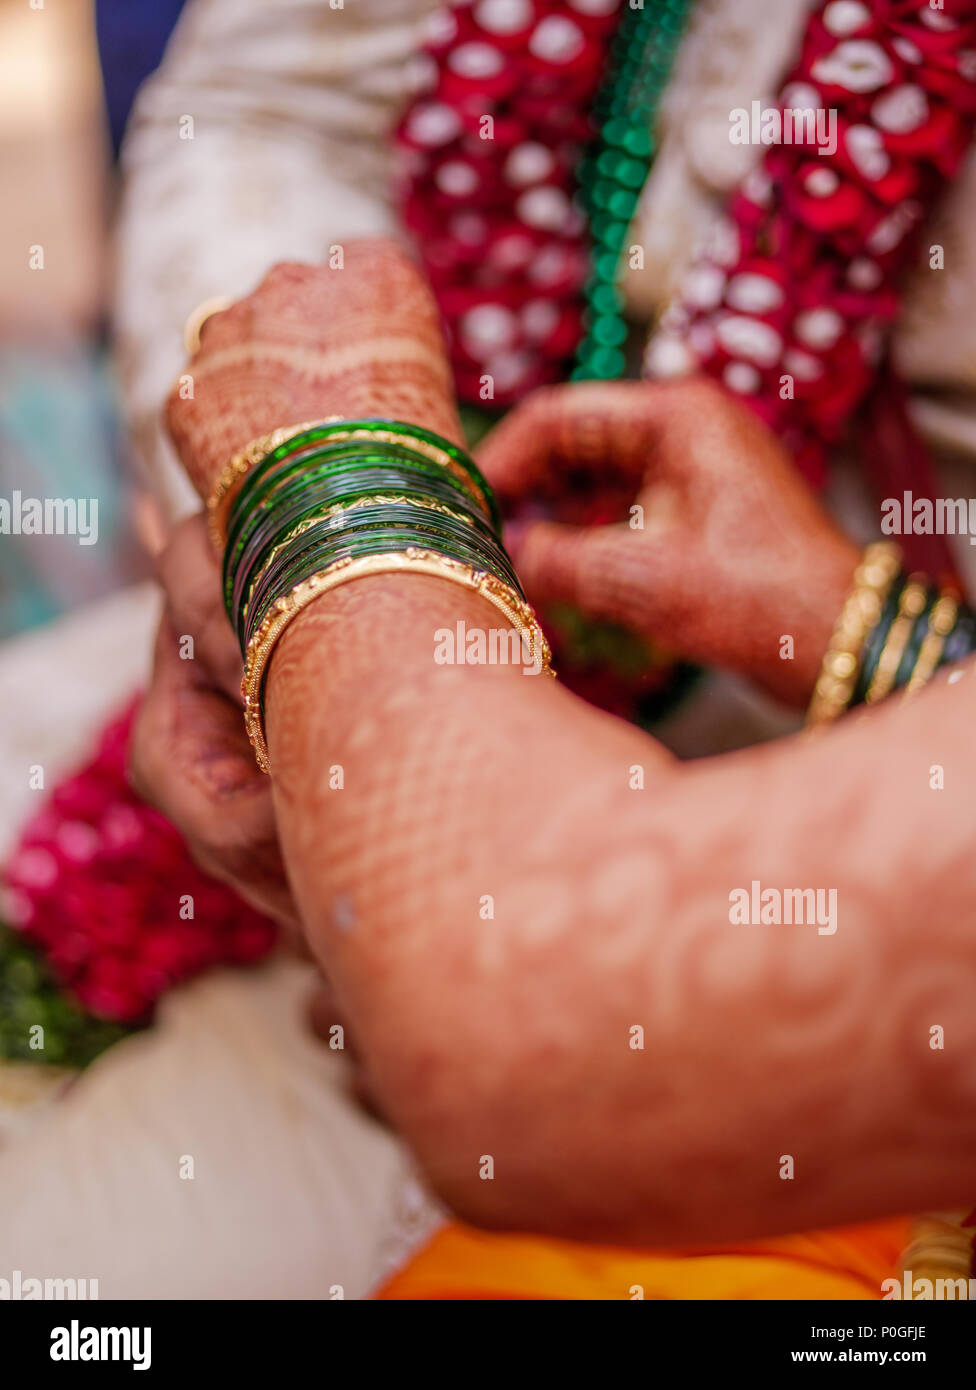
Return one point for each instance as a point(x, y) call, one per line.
point(807, 624)
point(367, 648)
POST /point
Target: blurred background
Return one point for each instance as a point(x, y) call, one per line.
point(69, 70)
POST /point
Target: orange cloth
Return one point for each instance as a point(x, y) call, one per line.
point(462, 1263)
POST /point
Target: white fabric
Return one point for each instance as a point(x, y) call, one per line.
point(292, 106)
point(296, 1192)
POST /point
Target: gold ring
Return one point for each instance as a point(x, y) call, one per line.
point(198, 317)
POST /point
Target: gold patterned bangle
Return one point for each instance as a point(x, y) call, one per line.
point(941, 622)
point(198, 317)
point(911, 606)
point(234, 472)
point(427, 504)
point(873, 578)
point(237, 468)
point(413, 561)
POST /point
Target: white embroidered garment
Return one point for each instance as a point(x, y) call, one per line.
point(295, 1191)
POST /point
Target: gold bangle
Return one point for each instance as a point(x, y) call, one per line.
point(873, 578)
point(198, 317)
point(911, 605)
point(236, 469)
point(413, 560)
point(941, 621)
point(427, 504)
point(234, 472)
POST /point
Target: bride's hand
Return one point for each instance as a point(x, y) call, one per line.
point(311, 341)
point(720, 550)
point(363, 339)
point(190, 756)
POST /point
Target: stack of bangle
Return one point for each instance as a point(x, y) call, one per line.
point(304, 509)
point(894, 632)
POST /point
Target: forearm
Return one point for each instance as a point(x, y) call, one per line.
point(466, 791)
point(511, 1035)
point(502, 898)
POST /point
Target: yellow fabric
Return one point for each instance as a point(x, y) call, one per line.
point(847, 1263)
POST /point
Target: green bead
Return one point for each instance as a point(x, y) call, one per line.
point(601, 193)
point(594, 286)
point(605, 265)
point(608, 331)
point(625, 117)
point(620, 109)
point(606, 299)
point(608, 231)
point(608, 162)
point(621, 204)
point(632, 173)
point(608, 363)
point(615, 132)
point(637, 141)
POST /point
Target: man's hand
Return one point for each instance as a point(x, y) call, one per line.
point(721, 550)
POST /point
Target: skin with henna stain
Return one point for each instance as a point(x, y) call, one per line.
point(509, 1034)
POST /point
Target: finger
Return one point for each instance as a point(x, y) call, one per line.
point(191, 758)
point(602, 571)
point(191, 749)
point(189, 573)
point(584, 433)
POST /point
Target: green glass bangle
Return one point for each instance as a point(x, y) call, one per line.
point(352, 528)
point(332, 486)
point(319, 499)
point(909, 656)
point(321, 461)
point(347, 528)
point(385, 540)
point(266, 483)
point(961, 641)
point(228, 497)
point(427, 529)
point(342, 531)
point(464, 466)
point(343, 473)
point(277, 483)
point(460, 456)
point(876, 639)
point(266, 452)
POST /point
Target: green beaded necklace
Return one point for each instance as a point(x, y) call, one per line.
point(614, 172)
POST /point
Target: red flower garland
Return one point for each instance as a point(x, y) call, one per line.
point(490, 155)
point(101, 884)
point(801, 278)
